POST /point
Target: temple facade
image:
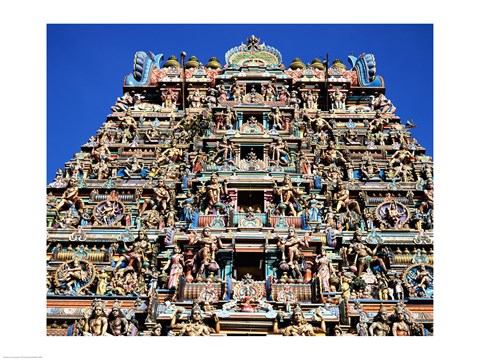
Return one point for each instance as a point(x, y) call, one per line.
point(249, 198)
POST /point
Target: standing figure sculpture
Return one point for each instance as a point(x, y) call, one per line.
point(310, 100)
point(287, 197)
point(427, 203)
point(225, 152)
point(277, 118)
point(237, 91)
point(204, 258)
point(227, 119)
point(211, 194)
point(169, 99)
point(196, 99)
point(269, 91)
point(176, 265)
point(102, 282)
point(325, 270)
point(128, 123)
point(397, 285)
point(296, 260)
point(381, 283)
point(338, 99)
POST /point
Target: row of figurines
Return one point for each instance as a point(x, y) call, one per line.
point(204, 320)
point(240, 92)
point(360, 267)
point(370, 132)
point(317, 167)
point(164, 207)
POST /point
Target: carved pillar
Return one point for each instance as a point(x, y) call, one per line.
point(265, 120)
point(267, 196)
point(236, 149)
point(239, 120)
point(225, 260)
point(271, 260)
point(265, 155)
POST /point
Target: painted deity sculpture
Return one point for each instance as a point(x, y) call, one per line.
point(195, 325)
point(204, 258)
point(136, 254)
point(325, 270)
point(299, 326)
point(380, 326)
point(96, 321)
point(176, 265)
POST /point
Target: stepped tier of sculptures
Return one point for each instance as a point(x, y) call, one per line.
point(245, 198)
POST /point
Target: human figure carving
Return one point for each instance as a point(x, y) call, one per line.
point(277, 118)
point(160, 200)
point(123, 103)
point(176, 265)
point(117, 322)
point(288, 196)
point(363, 254)
point(212, 192)
point(96, 322)
point(342, 198)
point(338, 99)
point(325, 270)
point(205, 255)
point(380, 325)
point(195, 325)
point(299, 326)
point(137, 253)
point(423, 279)
point(310, 100)
point(70, 197)
point(400, 326)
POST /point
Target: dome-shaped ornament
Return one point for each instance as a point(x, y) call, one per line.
point(171, 61)
point(339, 64)
point(213, 63)
point(297, 64)
point(317, 64)
point(192, 63)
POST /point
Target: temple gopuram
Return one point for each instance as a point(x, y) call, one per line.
point(250, 198)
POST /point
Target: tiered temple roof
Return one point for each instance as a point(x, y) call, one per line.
point(244, 198)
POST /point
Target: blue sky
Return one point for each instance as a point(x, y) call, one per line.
point(87, 63)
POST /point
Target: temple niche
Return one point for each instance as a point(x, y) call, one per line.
point(244, 198)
